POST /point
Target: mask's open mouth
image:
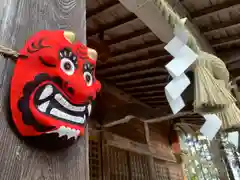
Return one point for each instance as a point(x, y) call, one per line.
point(50, 101)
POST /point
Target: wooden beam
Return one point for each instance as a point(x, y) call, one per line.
point(134, 48)
point(139, 111)
point(215, 8)
point(101, 8)
point(128, 36)
point(120, 121)
point(19, 20)
point(170, 117)
point(201, 39)
point(148, 12)
point(152, 169)
point(108, 26)
point(87, 151)
point(129, 145)
point(189, 124)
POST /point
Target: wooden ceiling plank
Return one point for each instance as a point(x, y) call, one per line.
point(134, 48)
point(224, 41)
point(108, 26)
point(128, 36)
point(156, 85)
point(155, 101)
point(121, 94)
point(101, 8)
point(148, 56)
point(147, 79)
point(147, 94)
point(139, 76)
point(136, 73)
point(151, 97)
point(218, 7)
point(139, 65)
point(209, 29)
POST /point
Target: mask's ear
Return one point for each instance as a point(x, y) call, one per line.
point(92, 54)
point(70, 36)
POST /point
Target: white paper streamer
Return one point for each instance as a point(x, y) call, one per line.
point(211, 126)
point(233, 137)
point(183, 58)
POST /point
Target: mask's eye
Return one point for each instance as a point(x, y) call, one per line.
point(88, 78)
point(67, 66)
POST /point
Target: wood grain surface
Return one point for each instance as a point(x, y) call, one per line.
point(20, 19)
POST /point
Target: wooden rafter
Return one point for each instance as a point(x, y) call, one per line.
point(108, 26)
point(155, 102)
point(145, 87)
point(224, 41)
point(150, 54)
point(218, 7)
point(152, 97)
point(128, 36)
point(134, 48)
point(157, 70)
point(121, 94)
point(222, 25)
point(140, 81)
point(101, 8)
point(147, 93)
point(139, 76)
point(139, 65)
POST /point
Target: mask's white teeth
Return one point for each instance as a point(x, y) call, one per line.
point(46, 92)
point(89, 109)
point(68, 117)
point(43, 106)
point(69, 132)
point(61, 100)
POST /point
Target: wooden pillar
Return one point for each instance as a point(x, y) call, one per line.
point(152, 170)
point(20, 19)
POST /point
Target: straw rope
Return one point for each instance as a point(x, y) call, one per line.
point(8, 52)
point(216, 97)
point(230, 116)
point(209, 96)
point(173, 19)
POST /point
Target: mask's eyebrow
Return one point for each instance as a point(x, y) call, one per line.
point(36, 47)
point(82, 52)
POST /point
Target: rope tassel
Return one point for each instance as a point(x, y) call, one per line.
point(230, 117)
point(210, 95)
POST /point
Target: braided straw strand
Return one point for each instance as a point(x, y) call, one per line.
point(174, 19)
point(8, 52)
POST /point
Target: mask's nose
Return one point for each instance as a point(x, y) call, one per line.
point(79, 93)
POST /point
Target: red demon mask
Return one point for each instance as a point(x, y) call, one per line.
point(53, 85)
